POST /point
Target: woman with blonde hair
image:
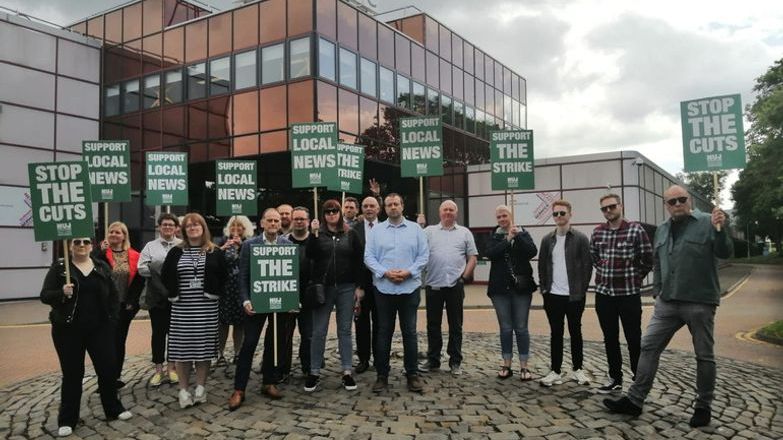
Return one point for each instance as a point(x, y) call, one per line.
point(237, 230)
point(116, 251)
point(195, 275)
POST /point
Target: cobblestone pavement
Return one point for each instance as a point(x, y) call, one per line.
point(748, 404)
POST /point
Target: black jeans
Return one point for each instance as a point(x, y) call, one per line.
point(389, 306)
point(71, 343)
point(304, 319)
point(557, 308)
point(121, 335)
point(628, 310)
point(366, 324)
point(453, 299)
point(270, 373)
point(159, 321)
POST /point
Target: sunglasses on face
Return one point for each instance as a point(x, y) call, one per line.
point(79, 242)
point(331, 211)
point(559, 214)
point(675, 200)
point(608, 208)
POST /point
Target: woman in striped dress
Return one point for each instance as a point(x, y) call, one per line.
point(194, 273)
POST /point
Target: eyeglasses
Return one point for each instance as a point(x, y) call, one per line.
point(331, 211)
point(675, 200)
point(559, 214)
point(168, 225)
point(300, 219)
point(608, 208)
point(80, 242)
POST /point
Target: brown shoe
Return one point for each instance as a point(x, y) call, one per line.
point(414, 383)
point(381, 384)
point(236, 399)
point(271, 391)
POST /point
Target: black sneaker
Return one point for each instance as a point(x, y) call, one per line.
point(381, 384)
point(348, 382)
point(701, 417)
point(610, 386)
point(312, 382)
point(623, 406)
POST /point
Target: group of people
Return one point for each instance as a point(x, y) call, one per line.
point(372, 270)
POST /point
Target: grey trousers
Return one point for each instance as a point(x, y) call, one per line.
point(668, 317)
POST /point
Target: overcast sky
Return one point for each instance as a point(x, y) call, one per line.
point(601, 75)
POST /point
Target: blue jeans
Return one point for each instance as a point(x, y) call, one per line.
point(512, 310)
point(340, 298)
point(388, 307)
point(668, 317)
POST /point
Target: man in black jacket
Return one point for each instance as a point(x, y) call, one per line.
point(365, 319)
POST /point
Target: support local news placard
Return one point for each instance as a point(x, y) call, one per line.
point(167, 178)
point(350, 168)
point(421, 147)
point(109, 166)
point(511, 156)
point(62, 206)
point(274, 277)
point(712, 134)
point(237, 186)
point(314, 155)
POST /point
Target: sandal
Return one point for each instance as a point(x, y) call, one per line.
point(505, 372)
point(525, 374)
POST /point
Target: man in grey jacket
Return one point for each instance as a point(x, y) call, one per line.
point(564, 270)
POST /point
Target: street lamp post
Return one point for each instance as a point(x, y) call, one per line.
point(747, 235)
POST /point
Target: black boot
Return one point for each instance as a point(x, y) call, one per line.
point(623, 406)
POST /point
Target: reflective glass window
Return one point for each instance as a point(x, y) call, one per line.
point(152, 52)
point(368, 74)
point(480, 125)
point(431, 34)
point(219, 76)
point(489, 70)
point(459, 114)
point(413, 27)
point(95, 27)
point(515, 109)
point(327, 102)
point(273, 108)
point(220, 34)
point(445, 76)
point(173, 87)
point(468, 57)
point(419, 98)
point(326, 62)
point(197, 80)
point(347, 27)
point(446, 109)
point(403, 54)
point(480, 95)
point(368, 115)
point(498, 104)
point(522, 115)
point(507, 108)
point(418, 63)
point(403, 92)
point(111, 100)
point(131, 22)
point(130, 96)
point(489, 99)
point(347, 68)
point(299, 58)
point(386, 46)
point(386, 83)
point(367, 36)
point(152, 91)
point(245, 71)
point(300, 17)
point(245, 107)
point(458, 82)
point(479, 63)
point(523, 90)
point(326, 11)
point(272, 21)
point(470, 119)
point(272, 64)
point(348, 111)
point(445, 43)
point(246, 27)
point(173, 47)
point(456, 50)
point(498, 76)
point(433, 67)
point(300, 102)
point(433, 102)
point(196, 37)
point(470, 99)
point(114, 27)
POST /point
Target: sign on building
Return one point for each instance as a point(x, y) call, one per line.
point(167, 178)
point(421, 147)
point(314, 155)
point(62, 207)
point(511, 156)
point(712, 134)
point(109, 167)
point(236, 185)
point(350, 168)
point(274, 278)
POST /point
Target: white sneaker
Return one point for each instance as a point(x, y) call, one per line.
point(185, 399)
point(200, 394)
point(64, 431)
point(551, 379)
point(581, 377)
point(125, 415)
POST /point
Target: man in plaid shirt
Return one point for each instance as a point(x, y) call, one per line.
point(622, 257)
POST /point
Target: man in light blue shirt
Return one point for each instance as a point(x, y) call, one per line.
point(396, 254)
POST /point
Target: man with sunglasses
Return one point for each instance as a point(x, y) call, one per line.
point(622, 257)
point(685, 280)
point(564, 270)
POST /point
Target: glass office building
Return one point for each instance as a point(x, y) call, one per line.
point(178, 77)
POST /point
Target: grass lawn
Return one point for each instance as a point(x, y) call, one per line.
point(774, 258)
point(772, 333)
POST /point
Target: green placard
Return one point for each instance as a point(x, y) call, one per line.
point(511, 155)
point(109, 166)
point(421, 147)
point(274, 277)
point(237, 183)
point(62, 206)
point(314, 155)
point(167, 179)
point(350, 168)
point(712, 133)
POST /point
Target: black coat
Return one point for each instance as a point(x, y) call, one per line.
point(215, 272)
point(337, 257)
point(366, 275)
point(64, 309)
point(520, 250)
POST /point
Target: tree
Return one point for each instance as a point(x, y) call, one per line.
point(702, 182)
point(758, 194)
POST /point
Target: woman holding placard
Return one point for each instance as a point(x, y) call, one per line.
point(83, 315)
point(195, 275)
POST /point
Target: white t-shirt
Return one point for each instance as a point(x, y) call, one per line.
point(559, 271)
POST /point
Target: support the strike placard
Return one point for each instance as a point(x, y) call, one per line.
point(167, 178)
point(712, 134)
point(236, 187)
point(109, 167)
point(62, 206)
point(421, 147)
point(511, 156)
point(274, 278)
point(314, 155)
point(350, 168)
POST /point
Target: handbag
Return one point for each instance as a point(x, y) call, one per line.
point(520, 282)
point(315, 292)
